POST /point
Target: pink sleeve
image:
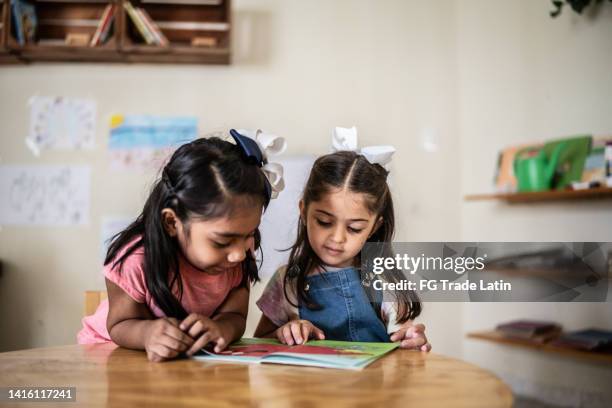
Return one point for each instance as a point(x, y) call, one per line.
point(130, 277)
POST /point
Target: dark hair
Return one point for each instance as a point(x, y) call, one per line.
point(201, 180)
point(347, 169)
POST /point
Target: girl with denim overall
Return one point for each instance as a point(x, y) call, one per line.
point(319, 293)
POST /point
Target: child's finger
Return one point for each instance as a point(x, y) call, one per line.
point(163, 351)
point(318, 333)
point(279, 335)
point(154, 357)
point(179, 335)
point(172, 343)
point(306, 329)
point(191, 320)
point(413, 343)
point(188, 321)
point(200, 343)
point(197, 329)
point(426, 347)
point(221, 344)
point(398, 335)
point(417, 328)
point(287, 335)
point(295, 332)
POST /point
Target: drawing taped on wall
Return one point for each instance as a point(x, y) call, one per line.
point(51, 195)
point(61, 123)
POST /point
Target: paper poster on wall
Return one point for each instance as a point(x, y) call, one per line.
point(47, 195)
point(279, 223)
point(61, 123)
point(144, 142)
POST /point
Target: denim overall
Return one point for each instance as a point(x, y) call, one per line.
point(346, 312)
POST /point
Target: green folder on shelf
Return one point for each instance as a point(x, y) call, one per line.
point(345, 355)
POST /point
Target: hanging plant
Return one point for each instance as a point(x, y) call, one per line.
point(577, 5)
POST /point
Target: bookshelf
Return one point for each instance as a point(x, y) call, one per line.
point(495, 337)
point(542, 196)
point(197, 32)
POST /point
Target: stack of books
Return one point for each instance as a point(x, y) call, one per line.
point(530, 330)
point(588, 340)
point(145, 25)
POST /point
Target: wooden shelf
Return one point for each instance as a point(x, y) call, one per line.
point(496, 337)
point(179, 20)
point(555, 195)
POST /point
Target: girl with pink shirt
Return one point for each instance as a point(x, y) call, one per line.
point(178, 277)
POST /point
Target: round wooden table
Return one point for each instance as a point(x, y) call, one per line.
point(106, 375)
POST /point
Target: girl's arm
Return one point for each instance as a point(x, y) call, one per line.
point(130, 324)
point(265, 328)
point(226, 325)
point(232, 314)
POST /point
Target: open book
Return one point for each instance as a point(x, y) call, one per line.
point(318, 353)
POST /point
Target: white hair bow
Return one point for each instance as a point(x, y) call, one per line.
point(270, 145)
point(346, 139)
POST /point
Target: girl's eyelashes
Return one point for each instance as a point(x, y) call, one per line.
point(327, 224)
point(221, 244)
point(227, 244)
point(323, 223)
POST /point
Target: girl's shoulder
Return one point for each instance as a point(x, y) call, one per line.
point(127, 272)
point(281, 272)
point(277, 281)
point(131, 255)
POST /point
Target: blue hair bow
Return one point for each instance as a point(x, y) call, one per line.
point(256, 148)
point(249, 147)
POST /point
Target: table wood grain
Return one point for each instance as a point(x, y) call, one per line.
point(109, 376)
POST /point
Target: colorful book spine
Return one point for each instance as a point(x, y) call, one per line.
point(24, 21)
point(140, 25)
point(160, 38)
point(102, 25)
point(107, 29)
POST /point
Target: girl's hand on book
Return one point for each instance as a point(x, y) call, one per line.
point(204, 330)
point(164, 340)
point(298, 332)
point(412, 336)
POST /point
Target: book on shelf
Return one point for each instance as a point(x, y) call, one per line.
point(25, 22)
point(146, 26)
point(104, 26)
point(587, 340)
point(531, 330)
point(317, 353)
point(139, 23)
point(160, 38)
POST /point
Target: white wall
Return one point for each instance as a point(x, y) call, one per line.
point(525, 77)
point(482, 73)
point(300, 68)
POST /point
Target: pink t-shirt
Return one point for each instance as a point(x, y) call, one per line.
point(202, 293)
